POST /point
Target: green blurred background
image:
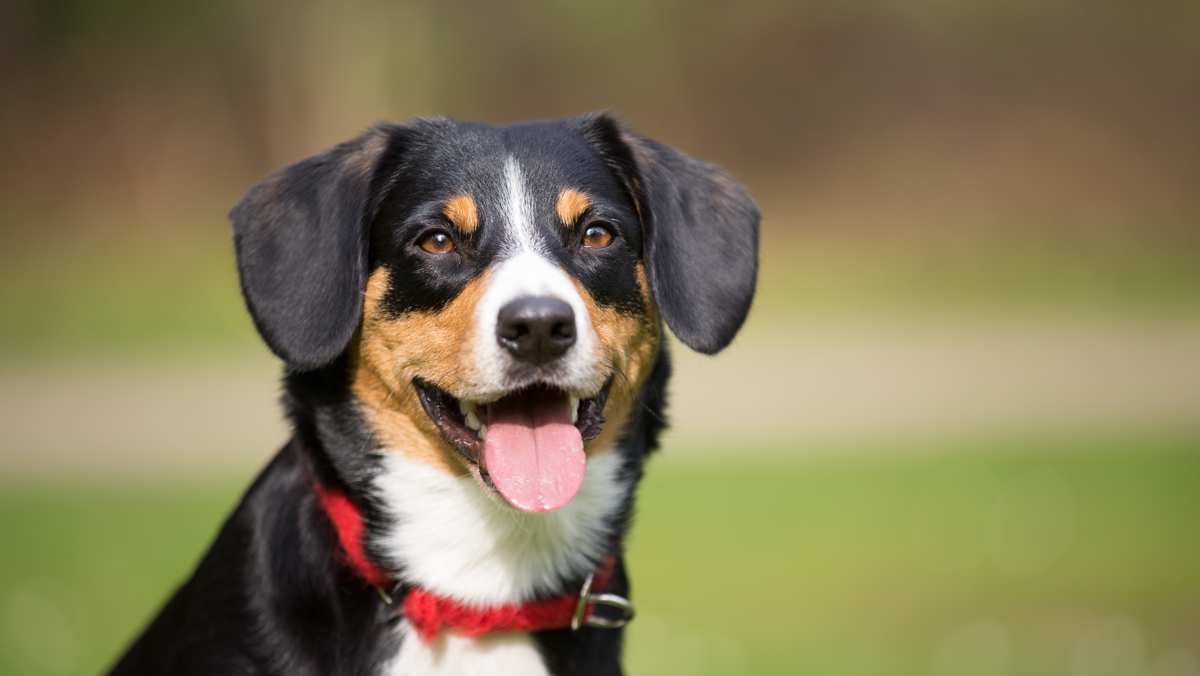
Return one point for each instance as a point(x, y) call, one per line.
point(958, 436)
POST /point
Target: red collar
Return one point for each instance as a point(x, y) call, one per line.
point(430, 613)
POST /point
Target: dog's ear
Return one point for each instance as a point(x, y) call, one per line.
point(700, 240)
point(301, 238)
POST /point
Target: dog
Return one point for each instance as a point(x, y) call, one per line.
point(471, 320)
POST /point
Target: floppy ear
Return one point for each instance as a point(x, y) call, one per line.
point(301, 240)
point(700, 240)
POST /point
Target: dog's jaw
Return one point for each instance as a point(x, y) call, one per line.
point(451, 538)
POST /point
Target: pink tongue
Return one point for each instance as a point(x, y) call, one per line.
point(532, 451)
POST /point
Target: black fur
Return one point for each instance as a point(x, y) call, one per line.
point(701, 231)
point(272, 596)
point(301, 239)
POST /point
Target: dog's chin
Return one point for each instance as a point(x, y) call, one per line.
point(525, 447)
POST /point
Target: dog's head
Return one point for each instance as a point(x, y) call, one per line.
point(497, 291)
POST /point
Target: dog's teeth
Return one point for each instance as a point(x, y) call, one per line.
point(468, 412)
point(573, 403)
point(471, 419)
point(482, 432)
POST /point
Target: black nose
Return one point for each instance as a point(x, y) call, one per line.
point(536, 329)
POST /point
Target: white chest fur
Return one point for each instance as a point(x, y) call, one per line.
point(508, 654)
point(456, 540)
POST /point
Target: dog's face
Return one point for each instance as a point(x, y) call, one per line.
point(497, 292)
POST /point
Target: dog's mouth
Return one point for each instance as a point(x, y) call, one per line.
point(526, 445)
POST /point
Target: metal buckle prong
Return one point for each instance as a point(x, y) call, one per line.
point(586, 599)
point(387, 598)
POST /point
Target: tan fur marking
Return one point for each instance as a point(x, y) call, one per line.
point(643, 284)
point(571, 205)
point(629, 343)
point(462, 212)
point(391, 351)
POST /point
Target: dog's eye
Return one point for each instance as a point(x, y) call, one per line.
point(436, 242)
point(598, 236)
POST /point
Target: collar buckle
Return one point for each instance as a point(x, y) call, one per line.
point(583, 617)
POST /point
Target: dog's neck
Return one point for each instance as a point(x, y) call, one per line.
point(447, 533)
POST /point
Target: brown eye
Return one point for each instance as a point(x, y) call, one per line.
point(437, 242)
point(597, 236)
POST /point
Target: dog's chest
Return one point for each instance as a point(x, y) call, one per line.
point(453, 540)
point(501, 654)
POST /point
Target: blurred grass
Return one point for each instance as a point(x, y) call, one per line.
point(1015, 277)
point(120, 298)
point(967, 558)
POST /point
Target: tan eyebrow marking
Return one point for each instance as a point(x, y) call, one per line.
point(571, 205)
point(461, 211)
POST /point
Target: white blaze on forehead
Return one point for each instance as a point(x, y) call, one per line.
point(519, 210)
point(524, 269)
